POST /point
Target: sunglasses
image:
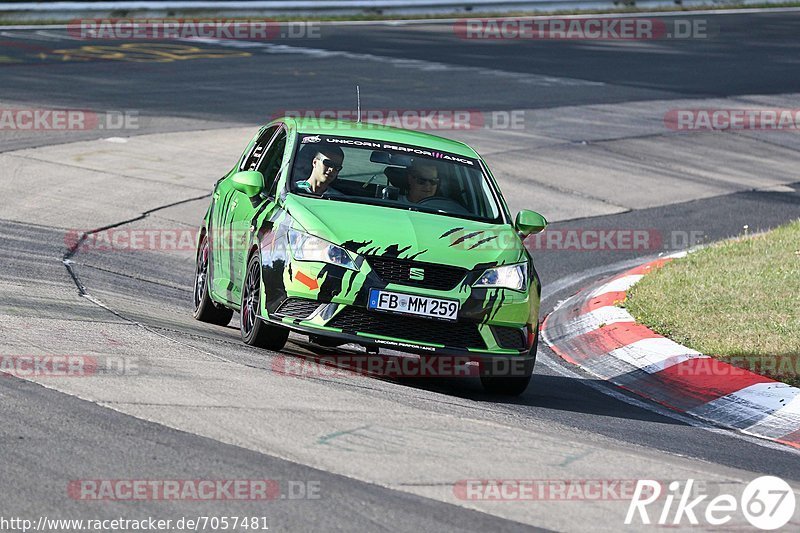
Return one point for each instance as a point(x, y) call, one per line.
point(423, 181)
point(330, 164)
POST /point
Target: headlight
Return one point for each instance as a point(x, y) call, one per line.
point(506, 277)
point(307, 247)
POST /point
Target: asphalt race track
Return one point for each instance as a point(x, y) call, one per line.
point(591, 152)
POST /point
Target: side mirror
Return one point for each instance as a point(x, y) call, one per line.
point(529, 222)
point(249, 182)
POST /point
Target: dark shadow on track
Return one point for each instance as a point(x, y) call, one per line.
point(547, 392)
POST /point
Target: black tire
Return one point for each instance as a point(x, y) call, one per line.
point(256, 332)
point(509, 385)
point(205, 309)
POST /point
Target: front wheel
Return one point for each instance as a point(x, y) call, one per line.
point(256, 332)
point(205, 309)
point(509, 377)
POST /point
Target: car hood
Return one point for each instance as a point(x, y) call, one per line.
point(428, 237)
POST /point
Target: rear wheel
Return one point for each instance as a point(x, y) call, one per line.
point(509, 377)
point(256, 332)
point(205, 309)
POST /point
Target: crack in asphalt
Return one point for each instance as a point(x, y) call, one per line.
point(138, 278)
point(83, 292)
point(73, 250)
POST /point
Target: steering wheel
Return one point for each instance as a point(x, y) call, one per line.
point(442, 203)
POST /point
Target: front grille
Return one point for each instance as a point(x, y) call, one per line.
point(298, 307)
point(437, 277)
point(451, 334)
point(510, 338)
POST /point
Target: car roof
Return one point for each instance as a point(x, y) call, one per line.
point(378, 132)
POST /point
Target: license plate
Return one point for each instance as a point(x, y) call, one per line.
point(410, 304)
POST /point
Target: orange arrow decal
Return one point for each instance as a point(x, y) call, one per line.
point(311, 283)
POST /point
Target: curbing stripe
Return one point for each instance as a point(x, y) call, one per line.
point(653, 354)
point(609, 338)
point(749, 407)
point(588, 330)
point(672, 361)
point(590, 322)
point(614, 336)
point(793, 439)
point(782, 422)
point(607, 299)
point(698, 381)
point(648, 267)
point(621, 283)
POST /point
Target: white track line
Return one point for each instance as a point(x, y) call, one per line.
point(418, 64)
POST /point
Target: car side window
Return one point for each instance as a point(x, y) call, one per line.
point(256, 154)
point(270, 163)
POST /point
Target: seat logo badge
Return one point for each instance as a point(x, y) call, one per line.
point(417, 274)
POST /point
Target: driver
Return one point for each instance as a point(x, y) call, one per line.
point(423, 181)
point(325, 169)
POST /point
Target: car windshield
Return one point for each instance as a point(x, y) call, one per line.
point(393, 175)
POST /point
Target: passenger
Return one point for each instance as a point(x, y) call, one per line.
point(423, 182)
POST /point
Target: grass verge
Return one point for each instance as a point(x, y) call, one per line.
point(738, 301)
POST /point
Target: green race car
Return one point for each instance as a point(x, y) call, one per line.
point(376, 236)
